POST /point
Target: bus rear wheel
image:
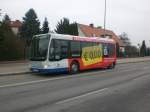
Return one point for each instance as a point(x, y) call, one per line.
point(74, 68)
point(112, 66)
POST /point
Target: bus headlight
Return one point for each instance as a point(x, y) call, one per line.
point(45, 66)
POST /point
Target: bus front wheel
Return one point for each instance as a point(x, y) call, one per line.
point(74, 68)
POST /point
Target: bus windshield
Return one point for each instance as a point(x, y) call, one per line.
point(39, 48)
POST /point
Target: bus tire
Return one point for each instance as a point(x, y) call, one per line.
point(74, 68)
point(112, 66)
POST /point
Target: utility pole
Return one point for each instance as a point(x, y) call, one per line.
point(105, 11)
point(0, 14)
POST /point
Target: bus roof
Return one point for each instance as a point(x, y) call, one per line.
point(78, 38)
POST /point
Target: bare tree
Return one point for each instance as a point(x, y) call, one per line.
point(125, 39)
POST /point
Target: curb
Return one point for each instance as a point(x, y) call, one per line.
point(28, 72)
point(19, 62)
point(19, 73)
point(132, 62)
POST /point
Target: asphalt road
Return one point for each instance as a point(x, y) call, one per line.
point(123, 89)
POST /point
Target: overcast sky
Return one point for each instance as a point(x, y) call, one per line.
point(130, 16)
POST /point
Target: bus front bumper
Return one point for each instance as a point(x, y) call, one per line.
point(42, 70)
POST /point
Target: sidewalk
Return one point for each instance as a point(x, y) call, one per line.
point(13, 68)
point(133, 60)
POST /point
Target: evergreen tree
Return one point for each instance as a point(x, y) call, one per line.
point(65, 27)
point(131, 51)
point(30, 27)
point(4, 26)
point(148, 51)
point(117, 50)
point(62, 26)
point(11, 47)
point(6, 19)
point(0, 16)
point(143, 49)
point(73, 29)
point(45, 28)
point(1, 34)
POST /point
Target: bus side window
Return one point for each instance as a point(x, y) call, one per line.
point(87, 44)
point(57, 49)
point(51, 51)
point(64, 49)
point(108, 50)
point(75, 49)
point(105, 50)
point(96, 44)
point(111, 48)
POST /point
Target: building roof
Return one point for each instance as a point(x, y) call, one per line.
point(16, 24)
point(90, 31)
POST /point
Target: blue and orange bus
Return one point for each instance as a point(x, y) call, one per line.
point(66, 53)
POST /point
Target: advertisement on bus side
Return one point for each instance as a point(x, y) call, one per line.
point(91, 55)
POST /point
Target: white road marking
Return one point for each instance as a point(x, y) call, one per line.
point(59, 78)
point(30, 82)
point(140, 77)
point(44, 80)
point(81, 96)
point(136, 79)
point(144, 68)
